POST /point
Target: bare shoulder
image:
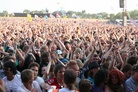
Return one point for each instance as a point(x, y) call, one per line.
point(107, 89)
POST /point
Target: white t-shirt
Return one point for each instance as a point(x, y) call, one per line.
point(65, 90)
point(24, 89)
point(39, 80)
point(11, 86)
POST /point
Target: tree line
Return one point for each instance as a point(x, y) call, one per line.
point(82, 14)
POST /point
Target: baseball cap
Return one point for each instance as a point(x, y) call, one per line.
point(93, 65)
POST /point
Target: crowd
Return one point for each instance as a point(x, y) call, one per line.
point(67, 55)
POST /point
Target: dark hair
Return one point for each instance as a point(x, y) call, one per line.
point(12, 67)
point(28, 59)
point(66, 42)
point(135, 68)
point(100, 77)
point(127, 68)
point(85, 85)
point(32, 64)
point(70, 78)
point(52, 68)
point(105, 65)
point(132, 60)
point(49, 42)
point(44, 57)
point(26, 75)
point(57, 68)
point(7, 58)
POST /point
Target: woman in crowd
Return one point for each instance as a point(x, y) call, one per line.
point(85, 85)
point(69, 80)
point(115, 81)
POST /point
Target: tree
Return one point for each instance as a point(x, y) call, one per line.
point(104, 15)
point(133, 14)
point(4, 13)
point(118, 15)
point(83, 11)
point(112, 16)
point(26, 11)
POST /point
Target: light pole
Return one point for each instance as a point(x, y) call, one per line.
point(124, 12)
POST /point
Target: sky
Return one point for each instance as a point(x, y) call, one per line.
point(90, 6)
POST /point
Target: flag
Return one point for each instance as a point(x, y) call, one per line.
point(46, 18)
point(57, 15)
point(29, 17)
point(133, 21)
point(52, 16)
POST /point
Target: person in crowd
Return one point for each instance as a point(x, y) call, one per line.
point(127, 70)
point(58, 80)
point(115, 81)
point(29, 85)
point(46, 76)
point(111, 46)
point(99, 82)
point(69, 80)
point(35, 67)
point(11, 80)
point(93, 68)
point(131, 84)
point(85, 85)
point(73, 65)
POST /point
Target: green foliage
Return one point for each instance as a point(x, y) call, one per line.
point(83, 14)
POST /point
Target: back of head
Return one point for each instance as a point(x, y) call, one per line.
point(71, 64)
point(85, 85)
point(132, 60)
point(100, 77)
point(127, 68)
point(135, 68)
point(26, 75)
point(70, 78)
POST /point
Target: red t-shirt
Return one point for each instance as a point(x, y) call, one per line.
point(53, 81)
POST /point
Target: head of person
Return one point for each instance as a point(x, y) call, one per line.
point(135, 73)
point(127, 70)
point(77, 53)
point(44, 57)
point(79, 62)
point(25, 48)
point(9, 68)
point(132, 60)
point(43, 69)
point(73, 65)
point(85, 85)
point(59, 71)
point(9, 58)
point(24, 43)
point(11, 51)
point(27, 76)
point(68, 45)
point(116, 77)
point(43, 48)
point(35, 67)
point(70, 78)
point(100, 77)
point(93, 68)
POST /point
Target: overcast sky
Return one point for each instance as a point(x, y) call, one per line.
point(91, 6)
